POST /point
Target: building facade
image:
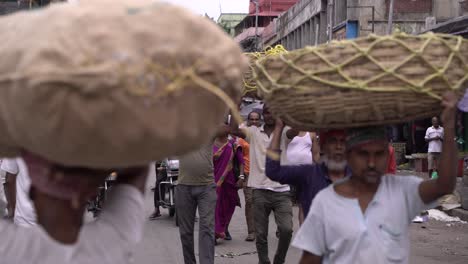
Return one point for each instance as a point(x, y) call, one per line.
point(312, 22)
point(248, 32)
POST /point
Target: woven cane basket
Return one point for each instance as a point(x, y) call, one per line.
point(250, 84)
point(374, 80)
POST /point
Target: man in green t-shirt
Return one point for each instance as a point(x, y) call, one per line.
point(196, 189)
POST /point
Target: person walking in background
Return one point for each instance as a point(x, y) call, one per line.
point(227, 158)
point(434, 136)
point(302, 149)
point(196, 189)
point(253, 119)
point(268, 196)
point(310, 178)
point(161, 175)
point(19, 183)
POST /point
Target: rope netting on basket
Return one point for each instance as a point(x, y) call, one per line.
point(374, 80)
point(250, 85)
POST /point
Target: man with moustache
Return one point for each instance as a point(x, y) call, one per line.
point(253, 119)
point(268, 196)
point(365, 218)
point(310, 178)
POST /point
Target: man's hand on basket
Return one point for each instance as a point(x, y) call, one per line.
point(279, 123)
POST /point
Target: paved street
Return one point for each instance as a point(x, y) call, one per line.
point(162, 243)
point(432, 242)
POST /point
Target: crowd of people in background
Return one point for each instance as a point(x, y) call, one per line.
point(334, 173)
point(342, 170)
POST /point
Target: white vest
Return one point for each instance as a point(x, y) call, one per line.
point(299, 150)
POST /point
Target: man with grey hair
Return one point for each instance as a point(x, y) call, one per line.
point(310, 178)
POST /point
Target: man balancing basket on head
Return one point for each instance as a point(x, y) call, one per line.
point(352, 88)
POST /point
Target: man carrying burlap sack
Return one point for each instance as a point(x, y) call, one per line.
point(59, 195)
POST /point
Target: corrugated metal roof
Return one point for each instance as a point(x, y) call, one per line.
point(278, 6)
point(269, 31)
point(458, 24)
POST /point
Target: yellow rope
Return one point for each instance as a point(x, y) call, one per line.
point(364, 52)
point(249, 82)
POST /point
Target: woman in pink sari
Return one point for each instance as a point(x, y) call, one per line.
point(224, 152)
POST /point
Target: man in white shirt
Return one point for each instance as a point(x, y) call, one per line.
point(110, 239)
point(16, 172)
point(268, 196)
point(365, 218)
point(434, 136)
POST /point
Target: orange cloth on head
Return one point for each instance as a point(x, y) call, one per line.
point(245, 152)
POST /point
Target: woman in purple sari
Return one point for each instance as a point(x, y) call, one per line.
point(224, 152)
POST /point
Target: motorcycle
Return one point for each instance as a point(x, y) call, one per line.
point(95, 205)
point(167, 187)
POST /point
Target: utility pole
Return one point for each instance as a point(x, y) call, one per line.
point(330, 20)
point(390, 17)
point(256, 24)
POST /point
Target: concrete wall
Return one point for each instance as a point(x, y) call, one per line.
point(364, 15)
point(409, 15)
point(297, 15)
point(446, 9)
point(303, 24)
point(403, 26)
point(306, 22)
point(411, 23)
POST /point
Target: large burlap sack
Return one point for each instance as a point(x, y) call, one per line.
point(113, 83)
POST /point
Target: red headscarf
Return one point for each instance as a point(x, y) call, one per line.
point(326, 134)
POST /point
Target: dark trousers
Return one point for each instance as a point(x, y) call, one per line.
point(156, 190)
point(265, 202)
point(188, 199)
point(249, 215)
